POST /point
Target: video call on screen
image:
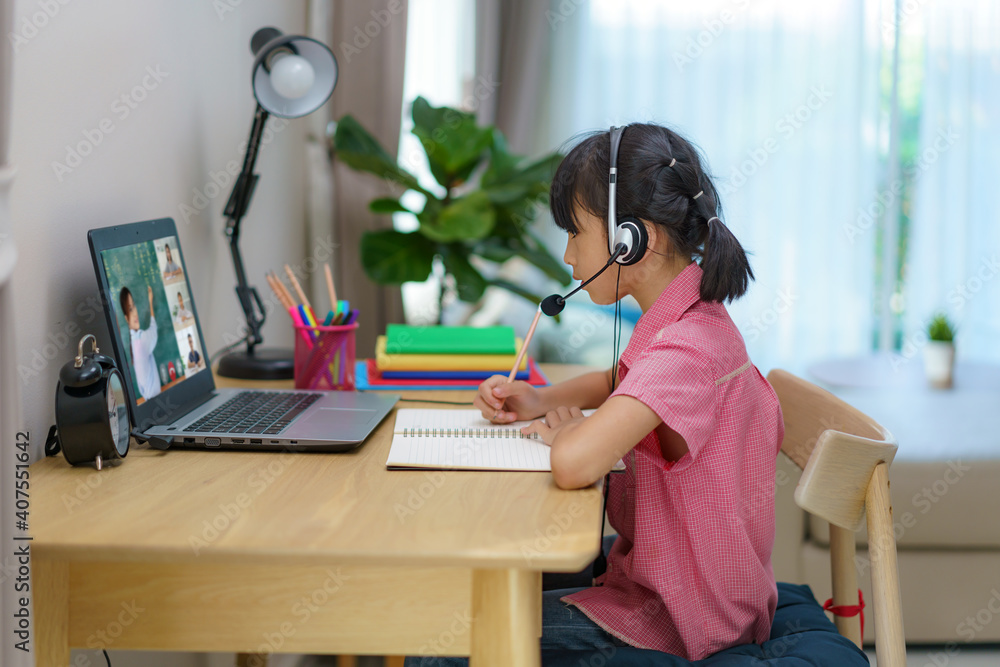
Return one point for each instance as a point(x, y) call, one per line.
point(152, 302)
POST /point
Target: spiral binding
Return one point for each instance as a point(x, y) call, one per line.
point(467, 433)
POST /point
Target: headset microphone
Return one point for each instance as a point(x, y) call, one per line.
point(554, 304)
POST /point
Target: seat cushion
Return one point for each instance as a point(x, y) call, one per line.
point(801, 636)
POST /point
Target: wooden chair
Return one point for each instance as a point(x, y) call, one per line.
point(845, 457)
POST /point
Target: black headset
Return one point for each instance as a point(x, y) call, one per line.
point(629, 231)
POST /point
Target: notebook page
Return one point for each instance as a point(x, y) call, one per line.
point(466, 453)
point(483, 447)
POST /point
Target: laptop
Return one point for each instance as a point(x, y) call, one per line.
point(159, 347)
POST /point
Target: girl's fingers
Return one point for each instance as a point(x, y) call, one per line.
point(575, 412)
point(537, 426)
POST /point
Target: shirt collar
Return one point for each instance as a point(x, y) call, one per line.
point(682, 293)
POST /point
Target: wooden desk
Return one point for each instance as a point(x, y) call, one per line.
point(300, 553)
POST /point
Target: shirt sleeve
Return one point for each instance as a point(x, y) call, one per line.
point(149, 336)
point(676, 380)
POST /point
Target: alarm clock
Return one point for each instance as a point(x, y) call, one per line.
point(92, 410)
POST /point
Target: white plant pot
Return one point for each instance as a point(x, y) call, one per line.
point(939, 363)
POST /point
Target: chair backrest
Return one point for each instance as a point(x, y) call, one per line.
point(845, 455)
point(836, 445)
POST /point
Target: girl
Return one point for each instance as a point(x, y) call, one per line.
point(698, 427)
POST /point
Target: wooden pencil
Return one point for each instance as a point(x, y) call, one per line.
point(330, 288)
point(298, 287)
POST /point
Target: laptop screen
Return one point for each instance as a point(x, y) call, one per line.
point(148, 292)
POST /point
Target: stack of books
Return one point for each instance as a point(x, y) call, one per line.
point(438, 357)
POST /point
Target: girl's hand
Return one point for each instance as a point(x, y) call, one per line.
point(554, 422)
point(502, 402)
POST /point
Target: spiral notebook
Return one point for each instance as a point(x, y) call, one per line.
point(464, 440)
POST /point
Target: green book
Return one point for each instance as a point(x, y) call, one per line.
point(406, 339)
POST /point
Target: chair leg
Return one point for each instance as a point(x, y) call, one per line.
point(845, 581)
point(890, 645)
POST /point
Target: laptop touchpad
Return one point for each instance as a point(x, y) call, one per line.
point(335, 423)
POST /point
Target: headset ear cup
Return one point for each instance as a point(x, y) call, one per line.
point(633, 234)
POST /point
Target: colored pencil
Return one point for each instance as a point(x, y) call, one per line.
point(298, 288)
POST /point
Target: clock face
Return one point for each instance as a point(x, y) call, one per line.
point(118, 413)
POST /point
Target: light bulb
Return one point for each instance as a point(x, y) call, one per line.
point(292, 76)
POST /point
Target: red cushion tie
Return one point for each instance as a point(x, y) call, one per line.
point(848, 610)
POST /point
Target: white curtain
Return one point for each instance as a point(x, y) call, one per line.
point(954, 260)
point(782, 98)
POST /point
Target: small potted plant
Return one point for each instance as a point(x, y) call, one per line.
point(939, 353)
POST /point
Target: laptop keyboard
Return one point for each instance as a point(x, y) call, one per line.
point(266, 412)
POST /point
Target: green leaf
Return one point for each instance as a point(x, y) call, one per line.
point(391, 257)
point(469, 218)
point(454, 144)
point(387, 205)
point(506, 169)
point(468, 281)
point(359, 150)
point(494, 249)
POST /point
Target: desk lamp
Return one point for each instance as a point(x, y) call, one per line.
point(292, 77)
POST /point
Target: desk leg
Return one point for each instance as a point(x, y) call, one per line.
point(251, 660)
point(505, 618)
point(50, 581)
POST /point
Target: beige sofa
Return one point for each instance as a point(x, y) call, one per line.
point(945, 485)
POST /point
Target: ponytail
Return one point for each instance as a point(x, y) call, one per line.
point(726, 272)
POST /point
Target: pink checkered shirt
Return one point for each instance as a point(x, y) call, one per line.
point(690, 572)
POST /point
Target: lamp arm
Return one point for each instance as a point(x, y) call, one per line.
point(236, 207)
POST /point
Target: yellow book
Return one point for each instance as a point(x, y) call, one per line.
point(446, 362)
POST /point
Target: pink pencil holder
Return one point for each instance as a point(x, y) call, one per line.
point(324, 357)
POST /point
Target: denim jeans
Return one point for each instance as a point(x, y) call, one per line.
point(563, 626)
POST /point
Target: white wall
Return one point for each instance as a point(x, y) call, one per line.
point(68, 74)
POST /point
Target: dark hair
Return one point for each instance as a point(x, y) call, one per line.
point(652, 190)
point(123, 298)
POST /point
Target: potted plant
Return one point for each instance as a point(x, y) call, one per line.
point(478, 217)
point(939, 352)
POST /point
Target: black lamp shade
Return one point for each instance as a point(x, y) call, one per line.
point(317, 54)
